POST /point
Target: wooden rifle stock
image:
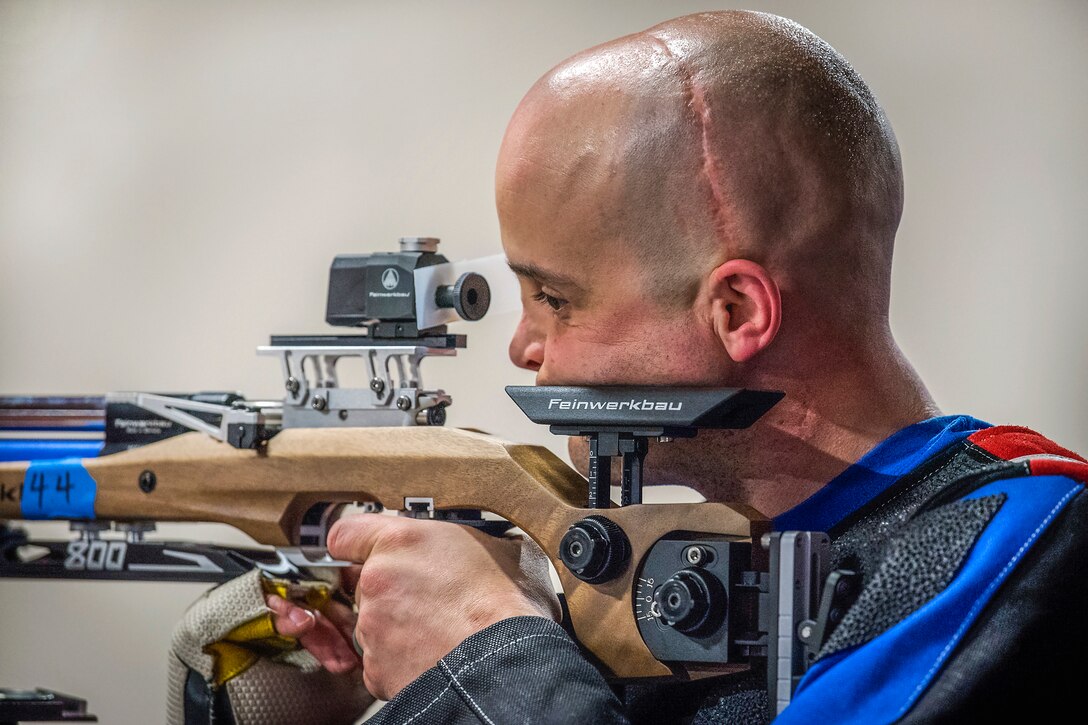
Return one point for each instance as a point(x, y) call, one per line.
point(266, 492)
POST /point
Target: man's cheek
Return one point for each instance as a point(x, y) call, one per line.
point(570, 362)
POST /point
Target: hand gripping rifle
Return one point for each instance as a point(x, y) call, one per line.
point(652, 590)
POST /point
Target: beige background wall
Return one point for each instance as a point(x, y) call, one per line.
point(176, 177)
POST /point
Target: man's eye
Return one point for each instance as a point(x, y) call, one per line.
point(554, 302)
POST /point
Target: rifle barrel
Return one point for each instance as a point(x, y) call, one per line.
point(53, 413)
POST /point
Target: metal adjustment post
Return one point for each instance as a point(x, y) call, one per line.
point(603, 447)
point(634, 454)
point(599, 481)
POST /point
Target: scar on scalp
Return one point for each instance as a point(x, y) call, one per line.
point(696, 103)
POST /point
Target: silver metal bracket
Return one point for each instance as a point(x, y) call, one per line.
point(418, 507)
point(395, 396)
point(89, 530)
point(134, 531)
point(242, 425)
point(309, 557)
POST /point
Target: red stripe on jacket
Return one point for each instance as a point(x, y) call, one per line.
point(1008, 442)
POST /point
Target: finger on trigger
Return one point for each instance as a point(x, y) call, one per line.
point(352, 538)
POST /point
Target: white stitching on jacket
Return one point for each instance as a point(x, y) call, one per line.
point(476, 662)
point(984, 599)
point(461, 689)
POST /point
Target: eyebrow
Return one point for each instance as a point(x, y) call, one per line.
point(539, 274)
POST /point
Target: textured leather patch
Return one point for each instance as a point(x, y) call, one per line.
point(859, 543)
point(918, 563)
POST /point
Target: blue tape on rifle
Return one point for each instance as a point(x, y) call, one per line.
point(58, 490)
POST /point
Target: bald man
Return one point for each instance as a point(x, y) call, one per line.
point(714, 202)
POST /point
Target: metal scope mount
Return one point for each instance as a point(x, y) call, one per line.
point(402, 300)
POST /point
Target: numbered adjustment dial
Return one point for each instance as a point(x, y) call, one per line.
point(682, 598)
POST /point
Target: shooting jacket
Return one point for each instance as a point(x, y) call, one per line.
point(971, 541)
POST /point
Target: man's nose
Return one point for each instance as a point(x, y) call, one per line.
point(527, 344)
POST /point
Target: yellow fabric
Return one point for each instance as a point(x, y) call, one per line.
point(244, 645)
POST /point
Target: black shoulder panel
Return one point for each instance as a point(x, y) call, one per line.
point(858, 542)
point(920, 561)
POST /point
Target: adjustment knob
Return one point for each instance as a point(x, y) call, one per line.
point(595, 549)
point(690, 601)
point(469, 296)
point(427, 245)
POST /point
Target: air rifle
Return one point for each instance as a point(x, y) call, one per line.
point(652, 590)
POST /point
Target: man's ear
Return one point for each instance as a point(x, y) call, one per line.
point(746, 307)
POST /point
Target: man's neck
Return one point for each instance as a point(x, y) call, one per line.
point(816, 432)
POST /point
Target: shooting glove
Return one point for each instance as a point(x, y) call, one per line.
point(228, 664)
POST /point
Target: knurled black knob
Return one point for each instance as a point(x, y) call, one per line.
point(690, 601)
point(595, 549)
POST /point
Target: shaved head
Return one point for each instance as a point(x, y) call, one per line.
point(713, 137)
